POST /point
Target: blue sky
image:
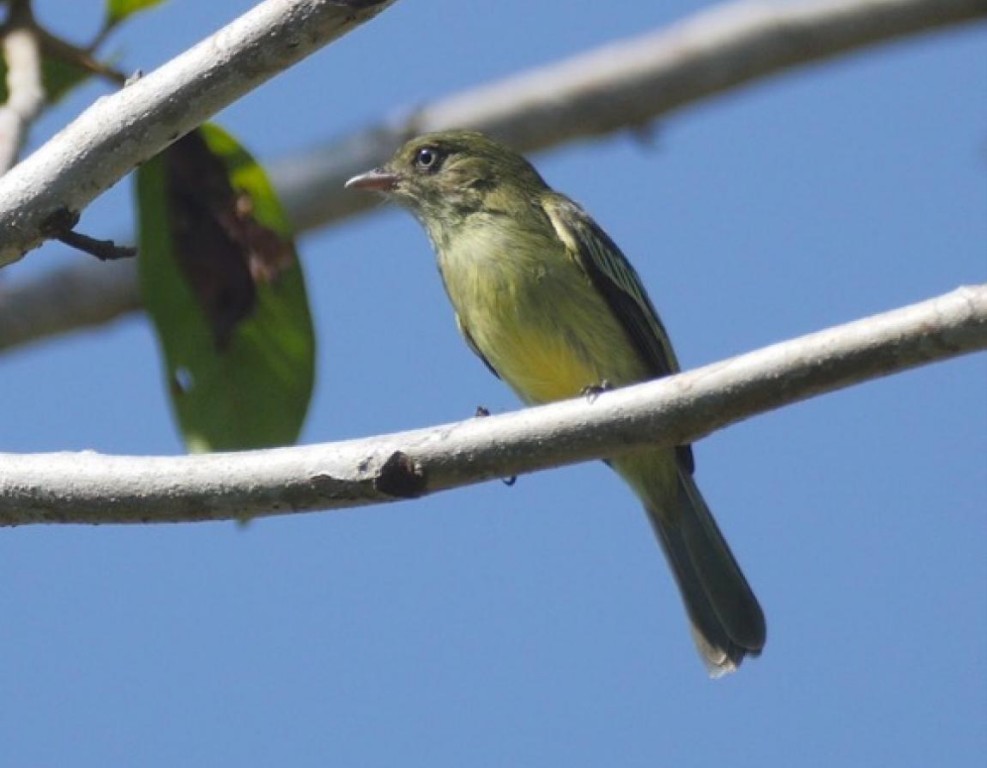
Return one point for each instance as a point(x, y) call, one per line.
point(537, 624)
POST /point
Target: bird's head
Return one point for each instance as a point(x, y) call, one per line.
point(445, 177)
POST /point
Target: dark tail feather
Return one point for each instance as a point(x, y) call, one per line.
point(727, 621)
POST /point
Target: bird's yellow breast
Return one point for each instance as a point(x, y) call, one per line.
point(537, 319)
point(540, 366)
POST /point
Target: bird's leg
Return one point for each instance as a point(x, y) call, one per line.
point(593, 391)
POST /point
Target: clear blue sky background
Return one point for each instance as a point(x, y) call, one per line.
point(537, 625)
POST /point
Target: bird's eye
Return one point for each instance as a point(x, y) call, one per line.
point(427, 158)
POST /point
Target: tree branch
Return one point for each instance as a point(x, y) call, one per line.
point(623, 85)
point(120, 131)
point(90, 488)
point(25, 89)
point(84, 295)
point(619, 86)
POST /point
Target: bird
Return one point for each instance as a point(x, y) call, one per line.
point(551, 305)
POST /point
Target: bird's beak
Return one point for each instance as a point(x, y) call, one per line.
point(377, 180)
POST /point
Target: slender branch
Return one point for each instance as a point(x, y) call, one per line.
point(711, 52)
point(122, 130)
point(90, 488)
point(25, 88)
point(104, 250)
point(82, 57)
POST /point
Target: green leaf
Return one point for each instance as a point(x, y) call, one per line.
point(118, 10)
point(242, 378)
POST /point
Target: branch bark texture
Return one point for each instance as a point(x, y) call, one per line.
point(120, 131)
point(91, 488)
point(619, 86)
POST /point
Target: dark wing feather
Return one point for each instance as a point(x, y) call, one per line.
point(614, 277)
point(617, 281)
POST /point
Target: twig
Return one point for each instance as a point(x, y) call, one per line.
point(90, 488)
point(104, 250)
point(81, 57)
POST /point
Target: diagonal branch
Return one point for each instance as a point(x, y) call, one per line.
point(90, 488)
point(120, 131)
point(616, 87)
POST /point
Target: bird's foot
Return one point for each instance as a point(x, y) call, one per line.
point(593, 391)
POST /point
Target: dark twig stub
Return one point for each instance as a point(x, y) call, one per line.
point(401, 477)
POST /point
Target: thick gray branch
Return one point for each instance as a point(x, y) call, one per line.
point(120, 131)
point(619, 86)
point(90, 488)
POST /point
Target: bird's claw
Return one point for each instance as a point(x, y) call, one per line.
point(593, 391)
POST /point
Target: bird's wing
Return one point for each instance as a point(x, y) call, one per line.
point(614, 277)
point(617, 281)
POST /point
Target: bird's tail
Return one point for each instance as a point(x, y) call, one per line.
point(727, 621)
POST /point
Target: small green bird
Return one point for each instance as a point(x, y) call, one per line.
point(551, 305)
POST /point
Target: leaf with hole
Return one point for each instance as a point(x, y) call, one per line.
point(220, 278)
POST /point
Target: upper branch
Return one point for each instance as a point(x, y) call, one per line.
point(90, 488)
point(126, 128)
point(626, 84)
